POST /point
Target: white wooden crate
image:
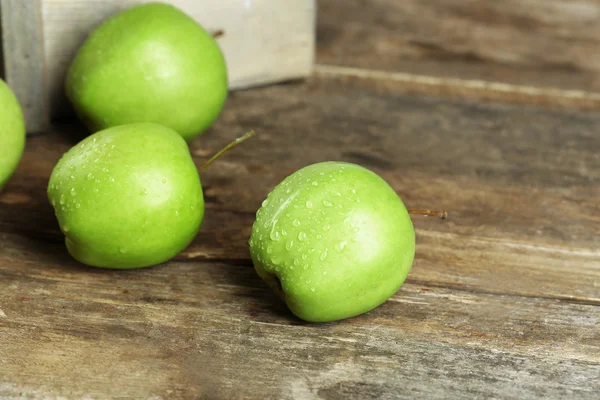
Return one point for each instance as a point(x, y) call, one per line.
point(264, 41)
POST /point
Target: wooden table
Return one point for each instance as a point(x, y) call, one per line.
point(503, 300)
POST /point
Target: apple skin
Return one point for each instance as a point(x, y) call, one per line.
point(150, 63)
point(333, 240)
point(127, 197)
point(12, 133)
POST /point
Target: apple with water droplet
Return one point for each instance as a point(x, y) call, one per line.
point(149, 63)
point(333, 240)
point(12, 133)
point(127, 197)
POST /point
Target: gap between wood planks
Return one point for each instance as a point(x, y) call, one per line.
point(471, 89)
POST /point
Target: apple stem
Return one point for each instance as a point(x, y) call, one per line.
point(230, 146)
point(218, 33)
point(429, 213)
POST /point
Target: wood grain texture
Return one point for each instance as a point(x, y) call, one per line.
point(546, 44)
point(503, 300)
point(211, 330)
point(262, 41)
point(23, 59)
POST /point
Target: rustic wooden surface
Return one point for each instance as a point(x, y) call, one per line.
point(503, 300)
point(519, 45)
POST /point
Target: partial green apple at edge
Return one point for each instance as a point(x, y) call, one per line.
point(333, 240)
point(128, 196)
point(12, 133)
point(149, 63)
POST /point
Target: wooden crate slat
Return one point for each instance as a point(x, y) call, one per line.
point(23, 55)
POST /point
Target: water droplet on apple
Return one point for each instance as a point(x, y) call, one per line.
point(112, 179)
point(305, 267)
point(312, 230)
point(315, 183)
point(312, 289)
point(72, 177)
point(177, 213)
point(94, 140)
point(269, 249)
point(95, 190)
point(145, 192)
point(326, 228)
point(296, 261)
point(353, 191)
point(324, 272)
point(53, 203)
point(62, 199)
point(90, 176)
point(289, 245)
point(358, 200)
point(73, 193)
point(296, 222)
point(341, 246)
point(309, 204)
point(78, 205)
point(304, 256)
point(66, 228)
point(323, 255)
point(265, 202)
point(274, 235)
point(327, 203)
point(164, 181)
point(301, 236)
point(284, 232)
point(122, 250)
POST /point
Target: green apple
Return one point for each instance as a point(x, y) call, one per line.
point(12, 133)
point(333, 240)
point(127, 197)
point(150, 63)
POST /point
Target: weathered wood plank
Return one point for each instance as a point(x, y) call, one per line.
point(520, 184)
point(24, 59)
point(208, 329)
point(533, 43)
